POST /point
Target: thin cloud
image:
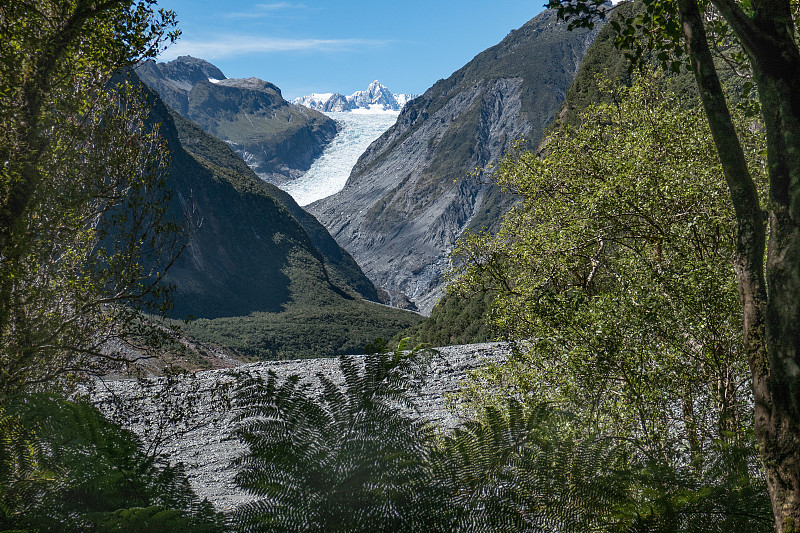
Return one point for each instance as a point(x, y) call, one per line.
point(264, 10)
point(227, 46)
point(280, 5)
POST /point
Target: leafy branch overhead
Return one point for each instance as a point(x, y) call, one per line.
point(84, 234)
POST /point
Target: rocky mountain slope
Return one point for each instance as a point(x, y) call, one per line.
point(248, 241)
point(277, 139)
point(376, 97)
point(410, 196)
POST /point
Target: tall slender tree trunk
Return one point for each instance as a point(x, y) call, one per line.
point(779, 436)
point(771, 303)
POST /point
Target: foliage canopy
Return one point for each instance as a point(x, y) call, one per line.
point(617, 263)
point(83, 238)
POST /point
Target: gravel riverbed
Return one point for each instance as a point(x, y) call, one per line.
point(190, 418)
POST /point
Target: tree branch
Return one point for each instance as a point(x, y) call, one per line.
point(739, 22)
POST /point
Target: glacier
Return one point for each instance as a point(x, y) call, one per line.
point(329, 173)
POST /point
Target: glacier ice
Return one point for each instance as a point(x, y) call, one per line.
point(329, 173)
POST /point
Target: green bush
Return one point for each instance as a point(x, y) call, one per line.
point(83, 473)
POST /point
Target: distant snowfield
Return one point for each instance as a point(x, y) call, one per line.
point(330, 171)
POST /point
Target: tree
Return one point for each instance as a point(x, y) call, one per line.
point(351, 457)
point(529, 468)
point(767, 272)
point(83, 235)
point(617, 263)
point(92, 475)
point(84, 242)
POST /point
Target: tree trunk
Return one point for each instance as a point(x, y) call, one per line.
point(771, 318)
point(779, 436)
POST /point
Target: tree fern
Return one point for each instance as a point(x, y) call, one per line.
point(96, 471)
point(21, 474)
point(351, 457)
point(524, 469)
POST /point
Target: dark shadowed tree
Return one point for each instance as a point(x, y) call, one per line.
point(83, 234)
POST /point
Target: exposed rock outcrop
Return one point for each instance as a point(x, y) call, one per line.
point(173, 81)
point(337, 102)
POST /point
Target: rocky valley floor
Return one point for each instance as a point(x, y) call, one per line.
point(189, 418)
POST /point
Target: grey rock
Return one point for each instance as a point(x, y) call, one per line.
point(337, 102)
point(190, 419)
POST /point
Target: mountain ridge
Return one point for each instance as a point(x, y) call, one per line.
point(377, 97)
point(232, 214)
point(278, 140)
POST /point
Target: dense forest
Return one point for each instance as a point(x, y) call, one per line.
point(647, 272)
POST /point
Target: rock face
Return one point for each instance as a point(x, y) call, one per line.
point(202, 440)
point(173, 81)
point(336, 103)
point(376, 97)
point(277, 139)
point(410, 196)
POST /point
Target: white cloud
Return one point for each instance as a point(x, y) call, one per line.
point(264, 10)
point(232, 45)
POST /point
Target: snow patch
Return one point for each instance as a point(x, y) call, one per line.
point(376, 98)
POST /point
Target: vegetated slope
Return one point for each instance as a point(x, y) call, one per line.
point(252, 253)
point(454, 320)
point(410, 195)
point(465, 319)
point(277, 139)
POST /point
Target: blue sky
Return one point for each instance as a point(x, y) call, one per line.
point(309, 46)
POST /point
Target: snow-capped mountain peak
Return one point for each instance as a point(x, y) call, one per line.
point(377, 97)
point(376, 93)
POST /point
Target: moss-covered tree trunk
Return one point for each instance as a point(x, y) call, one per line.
point(771, 303)
point(778, 80)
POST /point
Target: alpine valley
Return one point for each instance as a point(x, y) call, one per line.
point(536, 297)
point(262, 276)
